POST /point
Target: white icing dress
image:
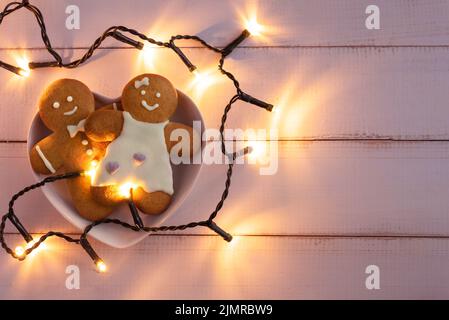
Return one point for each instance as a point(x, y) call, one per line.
point(139, 155)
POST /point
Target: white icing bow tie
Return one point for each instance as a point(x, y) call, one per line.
point(73, 130)
point(144, 82)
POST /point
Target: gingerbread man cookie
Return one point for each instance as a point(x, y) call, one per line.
point(138, 154)
point(63, 108)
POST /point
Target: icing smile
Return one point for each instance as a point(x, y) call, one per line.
point(148, 107)
point(69, 113)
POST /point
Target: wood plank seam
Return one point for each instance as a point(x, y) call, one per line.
point(294, 236)
point(295, 46)
point(305, 140)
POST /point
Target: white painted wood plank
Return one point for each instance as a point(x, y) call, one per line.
point(324, 188)
point(183, 267)
point(289, 22)
point(348, 93)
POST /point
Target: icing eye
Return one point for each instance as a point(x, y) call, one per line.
point(56, 105)
point(158, 94)
point(69, 99)
point(143, 92)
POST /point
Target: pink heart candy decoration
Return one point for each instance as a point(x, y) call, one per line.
point(139, 158)
point(112, 167)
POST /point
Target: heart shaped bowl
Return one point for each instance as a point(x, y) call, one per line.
point(184, 178)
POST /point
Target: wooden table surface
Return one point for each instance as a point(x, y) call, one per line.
point(363, 152)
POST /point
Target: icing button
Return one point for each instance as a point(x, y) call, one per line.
point(112, 167)
point(139, 158)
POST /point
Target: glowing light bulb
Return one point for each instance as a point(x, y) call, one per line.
point(24, 73)
point(235, 240)
point(92, 170)
point(125, 189)
point(258, 150)
point(254, 27)
point(198, 75)
point(101, 266)
point(19, 251)
point(202, 80)
point(148, 57)
point(22, 62)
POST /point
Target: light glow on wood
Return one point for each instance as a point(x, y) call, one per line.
point(42, 247)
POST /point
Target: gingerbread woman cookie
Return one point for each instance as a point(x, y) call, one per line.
point(63, 108)
point(138, 154)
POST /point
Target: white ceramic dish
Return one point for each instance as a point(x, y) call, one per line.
point(184, 177)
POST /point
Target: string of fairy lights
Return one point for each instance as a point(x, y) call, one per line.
point(137, 40)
